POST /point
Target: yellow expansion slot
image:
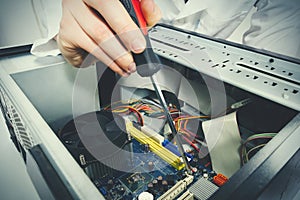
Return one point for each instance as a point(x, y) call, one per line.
point(155, 147)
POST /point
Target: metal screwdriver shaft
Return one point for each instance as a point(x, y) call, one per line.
point(171, 123)
point(148, 64)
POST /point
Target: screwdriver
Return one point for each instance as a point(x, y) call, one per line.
point(148, 63)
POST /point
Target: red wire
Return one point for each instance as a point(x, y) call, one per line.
point(140, 117)
point(191, 143)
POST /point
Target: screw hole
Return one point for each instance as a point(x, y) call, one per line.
point(274, 84)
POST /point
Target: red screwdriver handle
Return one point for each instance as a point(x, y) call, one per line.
point(133, 7)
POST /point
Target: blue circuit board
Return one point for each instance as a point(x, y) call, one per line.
point(149, 173)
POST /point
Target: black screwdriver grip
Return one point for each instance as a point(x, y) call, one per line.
point(147, 62)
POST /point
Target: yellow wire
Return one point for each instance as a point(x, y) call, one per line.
point(128, 101)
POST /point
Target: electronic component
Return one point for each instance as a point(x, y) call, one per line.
point(164, 185)
point(149, 170)
point(179, 187)
point(155, 147)
point(150, 165)
point(136, 180)
point(202, 189)
point(186, 196)
point(145, 196)
point(220, 179)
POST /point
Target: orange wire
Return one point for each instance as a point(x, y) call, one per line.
point(140, 117)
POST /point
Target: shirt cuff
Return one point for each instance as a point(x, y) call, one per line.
point(50, 13)
point(45, 47)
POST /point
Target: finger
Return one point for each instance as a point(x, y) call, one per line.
point(121, 23)
point(74, 47)
point(151, 12)
point(101, 34)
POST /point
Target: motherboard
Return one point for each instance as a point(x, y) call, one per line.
point(154, 168)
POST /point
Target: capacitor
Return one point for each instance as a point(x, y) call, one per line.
point(155, 183)
point(164, 184)
point(205, 175)
point(159, 180)
point(212, 173)
point(145, 196)
point(110, 184)
point(121, 190)
point(150, 165)
point(194, 169)
point(150, 187)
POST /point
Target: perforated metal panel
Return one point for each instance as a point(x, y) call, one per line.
point(269, 75)
point(22, 133)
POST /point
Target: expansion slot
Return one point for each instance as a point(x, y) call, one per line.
point(186, 196)
point(155, 146)
point(179, 187)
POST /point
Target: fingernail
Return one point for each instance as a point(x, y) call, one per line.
point(138, 45)
point(132, 67)
point(125, 74)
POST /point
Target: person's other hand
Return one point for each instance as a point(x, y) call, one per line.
point(83, 31)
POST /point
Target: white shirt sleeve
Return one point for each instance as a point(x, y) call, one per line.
point(276, 27)
point(210, 17)
point(49, 13)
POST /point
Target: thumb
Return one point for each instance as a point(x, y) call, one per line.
point(151, 12)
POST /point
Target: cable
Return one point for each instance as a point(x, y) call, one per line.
point(140, 117)
point(254, 148)
point(179, 119)
point(190, 143)
point(244, 153)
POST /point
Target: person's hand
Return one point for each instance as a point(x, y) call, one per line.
point(83, 31)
